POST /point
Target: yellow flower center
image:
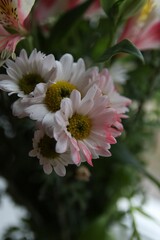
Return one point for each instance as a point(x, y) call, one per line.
point(56, 92)
point(28, 82)
point(79, 126)
point(47, 147)
point(147, 8)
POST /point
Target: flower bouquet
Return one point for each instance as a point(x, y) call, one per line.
point(73, 126)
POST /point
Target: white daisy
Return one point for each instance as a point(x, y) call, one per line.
point(25, 73)
point(46, 99)
point(83, 125)
point(44, 150)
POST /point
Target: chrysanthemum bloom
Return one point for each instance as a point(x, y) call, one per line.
point(12, 18)
point(116, 101)
point(25, 73)
point(44, 150)
point(144, 28)
point(69, 76)
point(47, 98)
point(83, 126)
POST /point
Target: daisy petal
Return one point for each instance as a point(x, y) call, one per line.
point(62, 143)
point(86, 152)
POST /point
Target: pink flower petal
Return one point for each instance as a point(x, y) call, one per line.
point(150, 38)
point(24, 8)
point(75, 155)
point(8, 43)
point(86, 152)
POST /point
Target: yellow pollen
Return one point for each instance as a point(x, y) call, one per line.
point(28, 82)
point(47, 147)
point(147, 8)
point(56, 92)
point(8, 13)
point(79, 126)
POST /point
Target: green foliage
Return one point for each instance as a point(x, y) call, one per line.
point(118, 10)
point(130, 8)
point(125, 46)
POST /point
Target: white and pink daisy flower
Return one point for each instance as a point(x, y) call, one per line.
point(118, 102)
point(13, 15)
point(104, 81)
point(25, 73)
point(44, 150)
point(83, 126)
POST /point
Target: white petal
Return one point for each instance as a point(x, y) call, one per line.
point(62, 143)
point(49, 62)
point(48, 123)
point(76, 99)
point(67, 62)
point(24, 8)
point(37, 111)
point(47, 168)
point(78, 69)
point(59, 119)
point(66, 107)
point(75, 155)
point(18, 109)
point(59, 71)
point(9, 86)
point(86, 107)
point(33, 153)
point(60, 170)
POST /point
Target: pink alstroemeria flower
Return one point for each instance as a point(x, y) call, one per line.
point(144, 28)
point(12, 18)
point(47, 8)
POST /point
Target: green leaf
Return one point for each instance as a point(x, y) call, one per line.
point(130, 8)
point(121, 9)
point(125, 46)
point(108, 6)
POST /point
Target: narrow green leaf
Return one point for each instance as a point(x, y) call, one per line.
point(125, 46)
point(130, 8)
point(108, 6)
